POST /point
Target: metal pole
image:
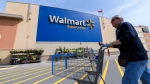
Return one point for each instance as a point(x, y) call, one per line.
point(103, 25)
point(30, 5)
point(53, 59)
point(28, 19)
point(66, 64)
point(103, 20)
point(30, 11)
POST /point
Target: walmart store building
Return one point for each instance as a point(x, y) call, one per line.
point(26, 26)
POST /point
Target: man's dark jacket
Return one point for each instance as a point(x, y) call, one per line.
point(131, 43)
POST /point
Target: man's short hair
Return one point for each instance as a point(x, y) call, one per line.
point(119, 17)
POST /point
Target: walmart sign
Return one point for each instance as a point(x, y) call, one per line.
point(76, 23)
point(66, 21)
point(61, 25)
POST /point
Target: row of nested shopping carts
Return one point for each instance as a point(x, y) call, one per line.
point(85, 70)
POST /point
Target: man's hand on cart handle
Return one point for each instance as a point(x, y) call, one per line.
point(110, 45)
point(105, 45)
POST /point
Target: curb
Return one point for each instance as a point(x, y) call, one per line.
point(7, 67)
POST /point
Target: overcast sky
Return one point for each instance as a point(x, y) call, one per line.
point(134, 11)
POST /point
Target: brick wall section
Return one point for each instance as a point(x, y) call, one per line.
point(5, 56)
point(146, 35)
point(147, 39)
point(148, 47)
point(8, 29)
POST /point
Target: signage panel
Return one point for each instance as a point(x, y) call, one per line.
point(61, 25)
point(146, 30)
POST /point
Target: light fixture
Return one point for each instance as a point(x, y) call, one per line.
point(80, 43)
point(0, 36)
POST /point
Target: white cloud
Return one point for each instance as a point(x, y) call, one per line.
point(134, 11)
point(120, 8)
point(127, 5)
point(139, 15)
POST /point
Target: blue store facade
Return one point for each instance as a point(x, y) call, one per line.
point(61, 25)
point(67, 28)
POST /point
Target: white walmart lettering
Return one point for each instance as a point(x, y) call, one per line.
point(66, 21)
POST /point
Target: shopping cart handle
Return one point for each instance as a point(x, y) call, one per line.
point(103, 48)
point(108, 52)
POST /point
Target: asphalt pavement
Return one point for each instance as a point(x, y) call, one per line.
point(41, 73)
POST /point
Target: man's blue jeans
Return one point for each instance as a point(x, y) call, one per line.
point(136, 71)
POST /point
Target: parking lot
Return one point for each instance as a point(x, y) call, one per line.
point(41, 73)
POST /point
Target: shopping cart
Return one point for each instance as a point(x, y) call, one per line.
point(97, 72)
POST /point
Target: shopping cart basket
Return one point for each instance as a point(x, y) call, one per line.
point(98, 71)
